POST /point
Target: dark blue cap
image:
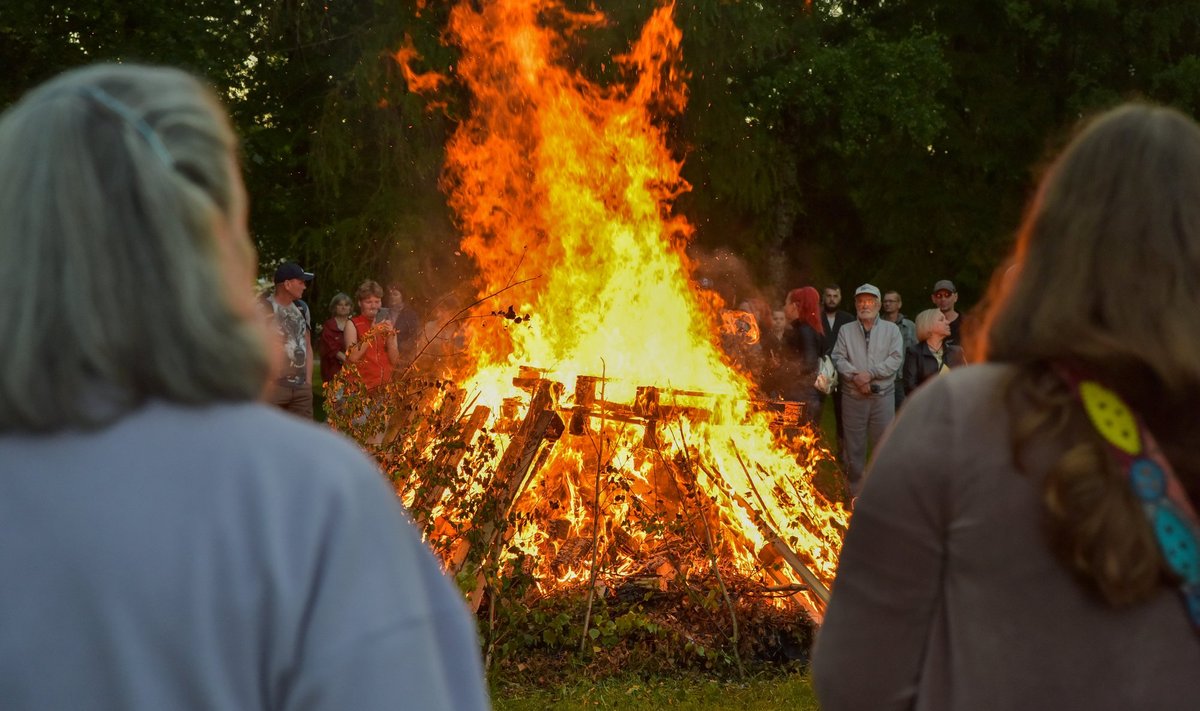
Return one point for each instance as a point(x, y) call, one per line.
point(291, 270)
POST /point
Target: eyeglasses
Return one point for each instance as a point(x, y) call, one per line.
point(942, 294)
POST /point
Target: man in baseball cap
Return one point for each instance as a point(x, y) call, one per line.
point(292, 389)
point(291, 270)
point(867, 355)
point(869, 289)
point(945, 297)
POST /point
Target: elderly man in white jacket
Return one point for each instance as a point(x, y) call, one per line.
point(867, 356)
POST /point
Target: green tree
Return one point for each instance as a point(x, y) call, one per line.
point(341, 163)
point(842, 140)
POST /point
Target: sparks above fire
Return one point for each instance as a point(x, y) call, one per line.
point(609, 430)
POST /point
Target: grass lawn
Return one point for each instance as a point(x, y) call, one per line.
point(792, 692)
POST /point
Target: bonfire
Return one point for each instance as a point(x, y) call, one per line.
point(591, 430)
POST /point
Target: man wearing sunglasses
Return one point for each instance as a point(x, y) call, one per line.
point(945, 297)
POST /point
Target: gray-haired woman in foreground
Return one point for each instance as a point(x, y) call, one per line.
point(168, 541)
point(1027, 537)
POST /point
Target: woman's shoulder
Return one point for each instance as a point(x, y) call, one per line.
point(975, 378)
point(948, 427)
point(249, 431)
point(809, 331)
point(970, 391)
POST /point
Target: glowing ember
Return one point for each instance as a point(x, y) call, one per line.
point(568, 184)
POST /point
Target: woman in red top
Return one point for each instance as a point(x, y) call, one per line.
point(370, 345)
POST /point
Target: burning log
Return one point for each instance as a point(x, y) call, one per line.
point(585, 397)
point(812, 581)
point(541, 427)
point(448, 460)
point(775, 551)
point(647, 409)
point(774, 541)
point(570, 553)
point(528, 378)
point(646, 404)
point(814, 584)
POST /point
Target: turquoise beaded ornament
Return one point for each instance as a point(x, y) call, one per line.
point(1152, 481)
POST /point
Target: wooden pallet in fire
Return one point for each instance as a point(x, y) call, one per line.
point(535, 435)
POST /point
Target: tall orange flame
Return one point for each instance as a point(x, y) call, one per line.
point(569, 184)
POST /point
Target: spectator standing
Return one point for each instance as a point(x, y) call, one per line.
point(779, 322)
point(803, 348)
point(832, 321)
point(292, 389)
point(908, 331)
point(170, 542)
point(332, 342)
point(404, 319)
point(371, 339)
point(867, 356)
point(832, 318)
point(1027, 536)
point(945, 298)
point(934, 354)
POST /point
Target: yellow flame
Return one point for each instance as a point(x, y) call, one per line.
point(563, 191)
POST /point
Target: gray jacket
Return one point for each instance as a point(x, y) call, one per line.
point(881, 355)
point(908, 331)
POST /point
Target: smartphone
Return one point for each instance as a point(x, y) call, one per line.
point(383, 314)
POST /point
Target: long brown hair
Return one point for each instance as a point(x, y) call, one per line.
point(1105, 277)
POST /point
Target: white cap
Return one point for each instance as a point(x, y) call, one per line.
point(867, 289)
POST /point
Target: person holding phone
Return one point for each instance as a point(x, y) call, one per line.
point(371, 340)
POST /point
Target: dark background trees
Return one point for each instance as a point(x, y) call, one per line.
point(845, 141)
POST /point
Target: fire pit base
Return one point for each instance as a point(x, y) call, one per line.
point(640, 629)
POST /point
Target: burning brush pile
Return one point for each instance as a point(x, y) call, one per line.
point(591, 437)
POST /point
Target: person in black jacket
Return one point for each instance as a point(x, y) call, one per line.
point(932, 354)
point(831, 321)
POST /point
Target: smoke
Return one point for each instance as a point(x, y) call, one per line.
point(730, 278)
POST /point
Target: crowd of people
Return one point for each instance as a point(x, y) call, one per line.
point(1024, 537)
point(364, 349)
point(879, 355)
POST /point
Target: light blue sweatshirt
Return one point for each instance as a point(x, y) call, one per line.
point(221, 557)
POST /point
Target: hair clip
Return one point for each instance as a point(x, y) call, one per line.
point(123, 111)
